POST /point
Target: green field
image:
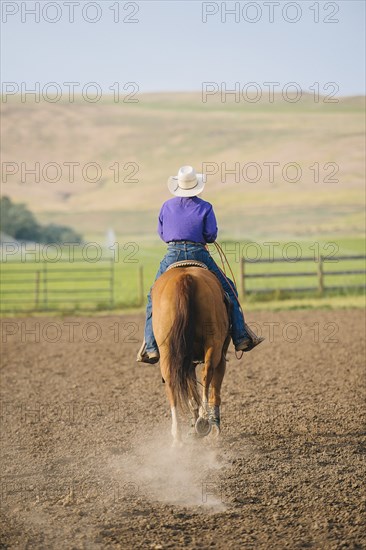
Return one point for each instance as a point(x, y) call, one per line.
point(69, 289)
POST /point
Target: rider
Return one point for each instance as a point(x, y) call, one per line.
point(187, 223)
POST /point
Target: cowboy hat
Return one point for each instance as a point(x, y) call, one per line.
point(187, 183)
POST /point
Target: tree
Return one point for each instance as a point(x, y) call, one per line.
point(18, 222)
point(59, 234)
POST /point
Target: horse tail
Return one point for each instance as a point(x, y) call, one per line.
point(182, 372)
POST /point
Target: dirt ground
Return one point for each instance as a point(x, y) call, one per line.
point(86, 456)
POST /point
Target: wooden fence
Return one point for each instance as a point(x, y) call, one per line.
point(90, 286)
point(319, 273)
point(47, 286)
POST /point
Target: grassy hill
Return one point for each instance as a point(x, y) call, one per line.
point(164, 131)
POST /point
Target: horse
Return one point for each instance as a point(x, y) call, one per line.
point(191, 326)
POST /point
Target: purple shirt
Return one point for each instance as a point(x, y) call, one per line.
point(187, 219)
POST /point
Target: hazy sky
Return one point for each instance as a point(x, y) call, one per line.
point(169, 47)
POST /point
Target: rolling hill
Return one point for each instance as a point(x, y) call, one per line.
point(299, 166)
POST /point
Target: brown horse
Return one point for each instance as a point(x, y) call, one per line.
point(191, 325)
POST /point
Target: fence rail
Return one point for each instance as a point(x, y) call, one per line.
point(39, 292)
point(320, 273)
point(89, 286)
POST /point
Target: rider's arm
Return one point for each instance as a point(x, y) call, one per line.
point(210, 226)
point(160, 223)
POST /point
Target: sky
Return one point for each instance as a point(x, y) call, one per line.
point(178, 45)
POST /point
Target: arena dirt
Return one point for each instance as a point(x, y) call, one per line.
point(86, 456)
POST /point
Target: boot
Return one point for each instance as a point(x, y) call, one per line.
point(250, 341)
point(145, 356)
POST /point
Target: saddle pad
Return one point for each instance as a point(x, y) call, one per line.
point(188, 263)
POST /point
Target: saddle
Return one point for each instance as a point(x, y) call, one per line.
point(187, 263)
point(197, 263)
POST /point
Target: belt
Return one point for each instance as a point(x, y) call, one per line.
point(185, 242)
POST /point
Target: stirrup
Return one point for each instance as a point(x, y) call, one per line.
point(254, 343)
point(144, 356)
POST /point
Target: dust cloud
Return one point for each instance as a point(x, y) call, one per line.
point(188, 476)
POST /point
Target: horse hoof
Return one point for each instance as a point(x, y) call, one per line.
point(177, 444)
point(215, 430)
point(202, 427)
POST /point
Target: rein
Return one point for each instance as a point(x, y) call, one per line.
point(223, 271)
point(224, 260)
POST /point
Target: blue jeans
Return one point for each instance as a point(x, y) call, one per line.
point(185, 251)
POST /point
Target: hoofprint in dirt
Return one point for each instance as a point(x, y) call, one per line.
point(86, 456)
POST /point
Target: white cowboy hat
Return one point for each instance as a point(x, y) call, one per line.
point(187, 183)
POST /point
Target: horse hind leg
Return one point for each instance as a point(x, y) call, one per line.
point(215, 397)
point(177, 441)
point(193, 403)
point(175, 429)
point(193, 409)
point(203, 426)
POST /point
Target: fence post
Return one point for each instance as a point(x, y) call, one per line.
point(111, 285)
point(242, 278)
point(36, 290)
point(320, 275)
point(45, 296)
point(141, 285)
